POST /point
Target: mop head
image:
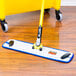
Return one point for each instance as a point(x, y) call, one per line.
point(47, 52)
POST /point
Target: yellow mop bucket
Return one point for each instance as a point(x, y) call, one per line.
point(10, 7)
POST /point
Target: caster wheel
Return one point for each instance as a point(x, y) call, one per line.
point(47, 10)
point(58, 15)
point(40, 49)
point(11, 43)
point(32, 47)
point(4, 26)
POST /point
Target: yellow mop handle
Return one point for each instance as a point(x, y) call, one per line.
point(42, 13)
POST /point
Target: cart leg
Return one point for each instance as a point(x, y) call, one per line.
point(46, 10)
point(58, 15)
point(4, 25)
point(2, 16)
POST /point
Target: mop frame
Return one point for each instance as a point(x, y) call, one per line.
point(48, 56)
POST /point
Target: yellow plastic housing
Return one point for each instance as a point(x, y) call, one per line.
point(9, 7)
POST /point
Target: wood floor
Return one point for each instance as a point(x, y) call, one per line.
point(60, 35)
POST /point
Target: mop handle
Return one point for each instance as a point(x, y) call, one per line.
point(38, 41)
point(42, 14)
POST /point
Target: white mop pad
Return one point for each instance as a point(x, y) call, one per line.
point(47, 52)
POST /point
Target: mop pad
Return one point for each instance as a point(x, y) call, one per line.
point(47, 52)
